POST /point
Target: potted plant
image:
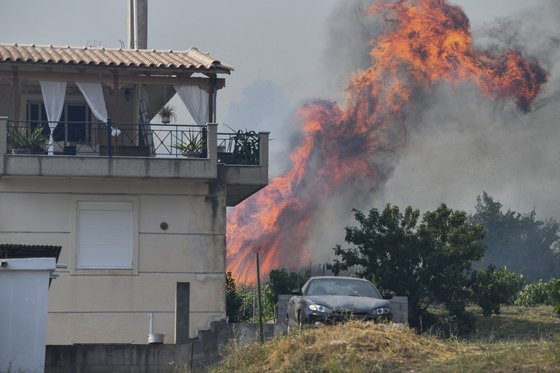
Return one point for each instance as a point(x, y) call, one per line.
point(246, 148)
point(167, 113)
point(24, 140)
point(193, 146)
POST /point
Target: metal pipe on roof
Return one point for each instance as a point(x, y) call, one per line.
point(142, 24)
point(131, 28)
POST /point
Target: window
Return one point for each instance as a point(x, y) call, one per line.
point(74, 126)
point(104, 235)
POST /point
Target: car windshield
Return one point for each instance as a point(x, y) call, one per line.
point(345, 287)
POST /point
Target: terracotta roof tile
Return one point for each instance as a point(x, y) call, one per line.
point(192, 59)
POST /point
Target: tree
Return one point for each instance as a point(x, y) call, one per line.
point(429, 262)
point(233, 300)
point(493, 287)
point(520, 242)
point(283, 282)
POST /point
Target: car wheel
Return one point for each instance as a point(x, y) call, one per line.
point(299, 322)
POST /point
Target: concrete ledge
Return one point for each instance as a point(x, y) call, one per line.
point(118, 167)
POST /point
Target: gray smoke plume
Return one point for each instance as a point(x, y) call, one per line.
point(459, 143)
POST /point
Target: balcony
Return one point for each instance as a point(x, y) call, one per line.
point(124, 150)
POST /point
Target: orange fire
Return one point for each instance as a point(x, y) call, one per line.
point(427, 41)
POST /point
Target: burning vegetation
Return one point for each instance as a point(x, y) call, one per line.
point(426, 42)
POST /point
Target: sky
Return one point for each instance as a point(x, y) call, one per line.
point(273, 45)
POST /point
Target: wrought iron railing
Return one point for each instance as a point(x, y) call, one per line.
point(92, 138)
point(129, 139)
point(239, 148)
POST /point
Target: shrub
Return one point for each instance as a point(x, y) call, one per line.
point(493, 288)
point(540, 292)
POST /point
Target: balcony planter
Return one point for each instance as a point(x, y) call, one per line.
point(167, 113)
point(193, 146)
point(25, 140)
point(21, 151)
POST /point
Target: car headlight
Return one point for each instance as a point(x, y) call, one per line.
point(380, 311)
point(319, 308)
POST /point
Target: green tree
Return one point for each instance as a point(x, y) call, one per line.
point(233, 300)
point(518, 241)
point(428, 261)
point(493, 287)
point(283, 282)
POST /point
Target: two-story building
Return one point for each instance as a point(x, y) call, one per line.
point(138, 208)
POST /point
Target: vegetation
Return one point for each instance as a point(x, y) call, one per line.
point(540, 292)
point(283, 282)
point(519, 339)
point(233, 301)
point(493, 287)
point(520, 242)
point(32, 139)
point(167, 114)
point(245, 148)
point(193, 144)
point(428, 261)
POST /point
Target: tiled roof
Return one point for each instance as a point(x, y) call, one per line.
point(191, 59)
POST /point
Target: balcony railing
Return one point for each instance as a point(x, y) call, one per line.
point(131, 140)
point(239, 148)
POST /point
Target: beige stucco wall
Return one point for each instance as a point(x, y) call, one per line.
point(91, 306)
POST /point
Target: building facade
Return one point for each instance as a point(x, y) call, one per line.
point(138, 207)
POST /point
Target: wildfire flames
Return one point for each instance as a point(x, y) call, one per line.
point(428, 41)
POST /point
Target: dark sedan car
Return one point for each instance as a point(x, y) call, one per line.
point(329, 299)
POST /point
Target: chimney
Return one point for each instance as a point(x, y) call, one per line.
point(138, 24)
point(142, 24)
point(131, 37)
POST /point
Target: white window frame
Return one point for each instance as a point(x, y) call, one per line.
point(74, 269)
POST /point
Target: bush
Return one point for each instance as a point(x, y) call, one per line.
point(493, 288)
point(540, 292)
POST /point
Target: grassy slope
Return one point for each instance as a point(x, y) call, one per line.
point(520, 339)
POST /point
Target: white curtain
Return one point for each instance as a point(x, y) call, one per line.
point(196, 101)
point(93, 94)
point(53, 98)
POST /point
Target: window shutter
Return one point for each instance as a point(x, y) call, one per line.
point(104, 235)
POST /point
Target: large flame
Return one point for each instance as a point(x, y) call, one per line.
point(427, 41)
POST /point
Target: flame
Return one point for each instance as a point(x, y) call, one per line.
point(428, 41)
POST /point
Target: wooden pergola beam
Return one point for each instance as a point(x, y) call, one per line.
point(109, 79)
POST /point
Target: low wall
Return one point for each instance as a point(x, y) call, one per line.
point(195, 355)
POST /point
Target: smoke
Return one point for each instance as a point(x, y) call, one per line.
point(460, 144)
point(349, 30)
point(424, 67)
point(264, 106)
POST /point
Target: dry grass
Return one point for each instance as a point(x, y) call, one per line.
point(520, 339)
point(356, 346)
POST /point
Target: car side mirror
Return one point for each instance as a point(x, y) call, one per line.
point(297, 292)
point(387, 296)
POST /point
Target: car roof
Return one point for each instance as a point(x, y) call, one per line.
point(336, 278)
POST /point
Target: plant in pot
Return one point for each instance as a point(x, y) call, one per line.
point(246, 148)
point(167, 113)
point(193, 145)
point(24, 140)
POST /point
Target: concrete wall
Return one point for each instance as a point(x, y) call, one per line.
point(112, 306)
point(196, 355)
